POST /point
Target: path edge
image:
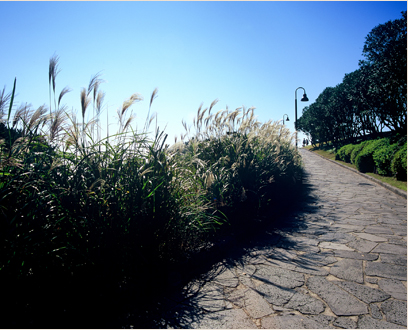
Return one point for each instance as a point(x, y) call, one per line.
point(393, 189)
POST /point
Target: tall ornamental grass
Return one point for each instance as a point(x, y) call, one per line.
point(244, 166)
point(77, 206)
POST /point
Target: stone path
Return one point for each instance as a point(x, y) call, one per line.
point(341, 262)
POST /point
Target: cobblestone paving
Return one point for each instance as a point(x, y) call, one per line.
point(344, 266)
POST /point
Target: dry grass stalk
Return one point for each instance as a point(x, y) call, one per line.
point(57, 124)
point(64, 91)
point(94, 84)
point(85, 100)
point(37, 117)
point(23, 114)
point(154, 96)
point(53, 71)
point(4, 102)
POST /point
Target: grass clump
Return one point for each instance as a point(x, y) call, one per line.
point(244, 164)
point(80, 213)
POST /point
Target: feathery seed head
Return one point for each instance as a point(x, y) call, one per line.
point(154, 96)
point(53, 70)
point(84, 101)
point(64, 91)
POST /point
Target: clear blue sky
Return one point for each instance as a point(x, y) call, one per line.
point(242, 53)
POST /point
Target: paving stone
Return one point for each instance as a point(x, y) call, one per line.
point(348, 269)
point(356, 255)
point(226, 277)
point(368, 217)
point(244, 273)
point(321, 259)
point(371, 280)
point(210, 298)
point(282, 254)
point(400, 230)
point(275, 295)
point(375, 311)
point(324, 319)
point(345, 323)
point(386, 270)
point(395, 311)
point(390, 248)
point(305, 304)
point(372, 209)
point(351, 227)
point(279, 277)
point(237, 296)
point(397, 240)
point(364, 293)
point(291, 322)
point(393, 221)
point(311, 270)
point(301, 244)
point(289, 265)
point(367, 322)
point(394, 259)
point(362, 245)
point(329, 245)
point(254, 304)
point(378, 230)
point(362, 222)
point(393, 287)
point(245, 269)
point(337, 237)
point(370, 237)
point(339, 301)
point(225, 319)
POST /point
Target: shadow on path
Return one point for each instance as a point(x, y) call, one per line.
point(191, 291)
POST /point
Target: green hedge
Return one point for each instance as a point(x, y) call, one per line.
point(344, 153)
point(399, 163)
point(379, 156)
point(383, 157)
point(357, 149)
point(364, 160)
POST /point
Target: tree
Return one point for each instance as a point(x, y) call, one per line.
point(385, 70)
point(370, 98)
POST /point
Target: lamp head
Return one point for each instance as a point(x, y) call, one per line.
point(304, 98)
point(287, 118)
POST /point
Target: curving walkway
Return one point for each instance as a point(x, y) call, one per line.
point(339, 262)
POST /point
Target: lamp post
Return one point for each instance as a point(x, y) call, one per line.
point(287, 118)
point(304, 98)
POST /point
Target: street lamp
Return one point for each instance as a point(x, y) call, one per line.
point(304, 98)
point(287, 118)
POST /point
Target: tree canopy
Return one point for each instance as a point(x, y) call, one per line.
point(371, 99)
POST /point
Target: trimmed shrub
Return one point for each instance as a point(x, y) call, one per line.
point(364, 160)
point(357, 149)
point(347, 153)
point(383, 157)
point(399, 163)
point(341, 152)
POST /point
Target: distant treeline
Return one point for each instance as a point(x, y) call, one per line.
point(370, 100)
